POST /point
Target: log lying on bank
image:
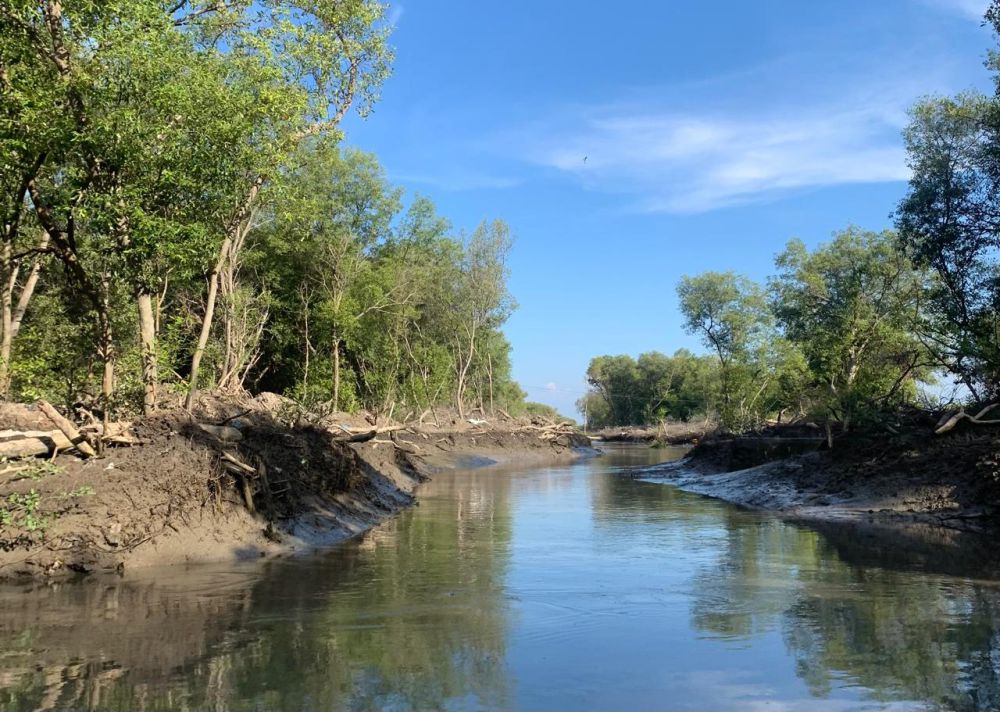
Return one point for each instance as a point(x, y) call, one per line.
point(362, 436)
point(16, 444)
point(67, 428)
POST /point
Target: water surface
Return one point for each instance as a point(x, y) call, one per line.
point(566, 588)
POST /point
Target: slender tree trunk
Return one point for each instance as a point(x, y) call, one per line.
point(206, 329)
point(6, 319)
point(106, 350)
point(463, 372)
point(308, 348)
point(235, 233)
point(489, 359)
point(12, 318)
point(336, 373)
point(147, 340)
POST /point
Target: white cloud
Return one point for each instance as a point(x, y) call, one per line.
point(551, 387)
point(696, 160)
point(452, 179)
point(395, 14)
point(971, 9)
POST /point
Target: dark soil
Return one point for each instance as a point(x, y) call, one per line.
point(172, 499)
point(951, 480)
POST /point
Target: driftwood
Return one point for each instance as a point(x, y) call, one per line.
point(115, 430)
point(948, 422)
point(232, 462)
point(32, 443)
point(407, 447)
point(244, 473)
point(67, 428)
point(16, 444)
point(363, 436)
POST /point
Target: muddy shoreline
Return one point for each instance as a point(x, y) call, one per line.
point(913, 479)
point(172, 499)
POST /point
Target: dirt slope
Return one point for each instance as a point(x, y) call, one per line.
point(173, 499)
point(951, 480)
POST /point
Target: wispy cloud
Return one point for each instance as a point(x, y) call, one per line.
point(551, 387)
point(971, 9)
point(455, 180)
point(704, 158)
point(395, 14)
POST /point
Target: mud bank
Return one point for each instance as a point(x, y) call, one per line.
point(912, 477)
point(664, 434)
point(176, 497)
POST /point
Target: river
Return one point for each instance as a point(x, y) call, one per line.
point(574, 587)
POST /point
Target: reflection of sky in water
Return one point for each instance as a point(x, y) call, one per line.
point(571, 587)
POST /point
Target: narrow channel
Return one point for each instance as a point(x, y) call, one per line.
point(576, 587)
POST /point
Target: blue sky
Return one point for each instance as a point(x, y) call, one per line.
point(713, 133)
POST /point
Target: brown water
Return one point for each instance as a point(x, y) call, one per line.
point(556, 589)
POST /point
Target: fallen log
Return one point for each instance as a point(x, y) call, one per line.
point(948, 423)
point(32, 443)
point(67, 428)
point(16, 444)
point(363, 436)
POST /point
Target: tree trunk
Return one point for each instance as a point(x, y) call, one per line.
point(206, 323)
point(463, 372)
point(12, 319)
point(336, 374)
point(308, 348)
point(147, 340)
point(489, 359)
point(235, 232)
point(106, 350)
point(6, 319)
point(206, 330)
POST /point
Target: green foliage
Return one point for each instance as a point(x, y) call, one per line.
point(654, 388)
point(33, 469)
point(146, 147)
point(542, 410)
point(837, 339)
point(947, 224)
point(731, 315)
point(853, 307)
point(21, 513)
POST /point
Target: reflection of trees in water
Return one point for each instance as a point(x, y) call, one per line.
point(746, 591)
point(897, 629)
point(622, 500)
point(411, 618)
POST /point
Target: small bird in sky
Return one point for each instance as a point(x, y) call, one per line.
point(584, 159)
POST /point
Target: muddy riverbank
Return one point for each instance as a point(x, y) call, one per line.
point(184, 493)
point(952, 480)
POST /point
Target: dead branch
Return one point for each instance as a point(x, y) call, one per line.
point(361, 436)
point(949, 422)
point(67, 428)
point(232, 460)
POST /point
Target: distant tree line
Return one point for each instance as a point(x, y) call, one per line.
point(177, 212)
point(827, 337)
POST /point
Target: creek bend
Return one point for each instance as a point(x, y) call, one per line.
point(569, 587)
